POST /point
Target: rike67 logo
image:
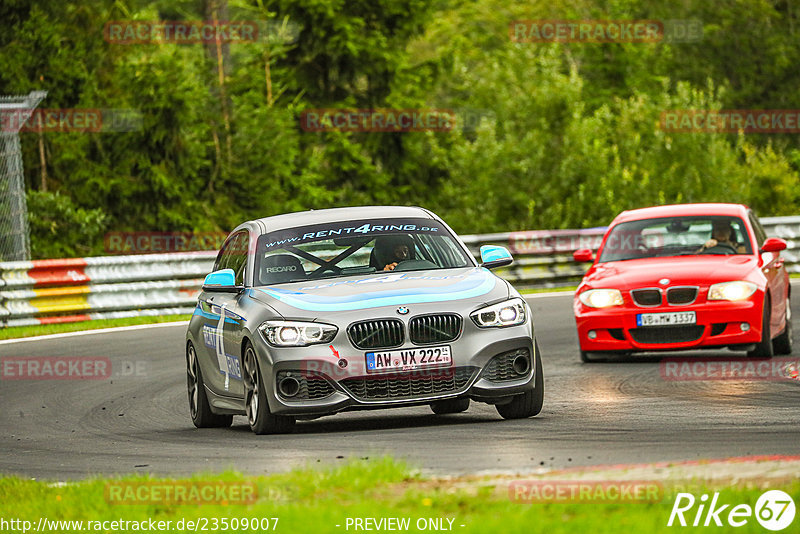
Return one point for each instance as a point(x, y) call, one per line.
point(774, 510)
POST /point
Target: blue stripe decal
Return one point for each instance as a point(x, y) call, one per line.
point(212, 316)
point(468, 288)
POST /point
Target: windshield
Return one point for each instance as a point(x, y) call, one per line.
point(347, 248)
point(676, 236)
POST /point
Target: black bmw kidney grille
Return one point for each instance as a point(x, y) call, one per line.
point(377, 334)
point(409, 385)
point(434, 328)
point(681, 295)
point(646, 297)
point(667, 334)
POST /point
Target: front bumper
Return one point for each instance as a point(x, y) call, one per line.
point(341, 388)
point(719, 324)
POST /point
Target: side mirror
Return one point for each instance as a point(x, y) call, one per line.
point(774, 244)
point(222, 280)
point(583, 255)
point(493, 256)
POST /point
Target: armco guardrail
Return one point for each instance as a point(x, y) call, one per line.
point(80, 289)
point(542, 258)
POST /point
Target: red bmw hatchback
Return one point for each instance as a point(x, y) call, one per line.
point(690, 276)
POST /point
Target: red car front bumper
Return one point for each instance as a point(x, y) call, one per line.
point(719, 324)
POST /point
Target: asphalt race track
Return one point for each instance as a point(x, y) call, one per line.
point(602, 413)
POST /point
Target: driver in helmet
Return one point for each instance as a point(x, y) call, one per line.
point(399, 253)
point(392, 250)
point(721, 232)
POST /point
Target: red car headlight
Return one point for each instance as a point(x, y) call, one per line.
point(738, 290)
point(601, 298)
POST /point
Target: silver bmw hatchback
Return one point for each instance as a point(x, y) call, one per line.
point(314, 313)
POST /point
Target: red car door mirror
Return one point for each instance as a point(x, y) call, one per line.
point(773, 244)
point(583, 255)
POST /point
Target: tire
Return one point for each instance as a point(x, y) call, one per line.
point(261, 420)
point(783, 343)
point(764, 347)
point(199, 408)
point(586, 357)
point(529, 403)
point(450, 406)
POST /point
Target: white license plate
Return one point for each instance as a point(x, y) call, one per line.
point(409, 359)
point(663, 319)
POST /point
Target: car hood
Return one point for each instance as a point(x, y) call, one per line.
point(474, 284)
point(682, 270)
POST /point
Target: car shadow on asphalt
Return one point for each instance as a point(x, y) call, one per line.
point(678, 355)
point(341, 424)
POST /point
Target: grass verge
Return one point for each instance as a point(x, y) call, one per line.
point(567, 289)
point(321, 501)
point(44, 329)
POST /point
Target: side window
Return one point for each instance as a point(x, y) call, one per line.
point(761, 235)
point(221, 259)
point(233, 255)
point(219, 263)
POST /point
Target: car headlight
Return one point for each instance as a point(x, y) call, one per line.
point(601, 298)
point(297, 333)
point(738, 290)
point(509, 313)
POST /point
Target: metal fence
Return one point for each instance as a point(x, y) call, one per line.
point(80, 289)
point(14, 238)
